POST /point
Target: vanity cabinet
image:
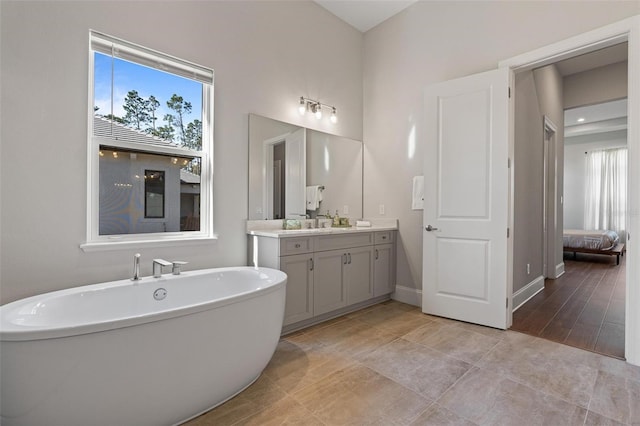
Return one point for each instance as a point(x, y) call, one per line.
point(328, 273)
point(342, 278)
point(384, 270)
point(300, 279)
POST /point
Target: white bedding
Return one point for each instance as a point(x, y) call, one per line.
point(593, 239)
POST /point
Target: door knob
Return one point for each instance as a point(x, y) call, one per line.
point(430, 228)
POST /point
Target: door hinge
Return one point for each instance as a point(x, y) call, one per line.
point(509, 92)
point(507, 232)
point(507, 304)
point(508, 163)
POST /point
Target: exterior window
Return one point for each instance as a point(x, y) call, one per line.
point(150, 145)
point(154, 194)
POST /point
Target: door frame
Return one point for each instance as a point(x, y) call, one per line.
point(627, 30)
point(549, 199)
point(267, 173)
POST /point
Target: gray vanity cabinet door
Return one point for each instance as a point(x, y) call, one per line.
point(359, 274)
point(329, 291)
point(383, 270)
point(299, 295)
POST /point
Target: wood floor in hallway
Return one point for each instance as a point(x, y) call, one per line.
point(584, 308)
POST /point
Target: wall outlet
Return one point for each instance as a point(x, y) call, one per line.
point(528, 268)
point(381, 209)
point(345, 209)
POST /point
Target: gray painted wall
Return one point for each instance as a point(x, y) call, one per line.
point(433, 41)
point(528, 166)
point(265, 56)
point(550, 99)
point(601, 84)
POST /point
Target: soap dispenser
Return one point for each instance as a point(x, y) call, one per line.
point(336, 219)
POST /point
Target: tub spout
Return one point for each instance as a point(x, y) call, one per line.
point(157, 267)
point(136, 267)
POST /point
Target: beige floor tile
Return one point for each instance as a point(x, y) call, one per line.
point(303, 362)
point(485, 398)
point(594, 419)
point(459, 342)
point(352, 338)
point(261, 394)
point(542, 365)
point(360, 396)
point(617, 398)
point(286, 412)
point(440, 416)
point(392, 365)
point(393, 319)
point(417, 367)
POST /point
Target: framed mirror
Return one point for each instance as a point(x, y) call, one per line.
point(295, 171)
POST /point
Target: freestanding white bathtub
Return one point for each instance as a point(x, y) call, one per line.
point(111, 354)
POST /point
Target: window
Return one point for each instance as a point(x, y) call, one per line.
point(606, 190)
point(154, 194)
point(150, 145)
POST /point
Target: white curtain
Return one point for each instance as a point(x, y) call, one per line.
point(606, 190)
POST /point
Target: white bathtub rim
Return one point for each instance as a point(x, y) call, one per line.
point(15, 333)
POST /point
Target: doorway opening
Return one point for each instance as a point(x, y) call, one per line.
point(578, 301)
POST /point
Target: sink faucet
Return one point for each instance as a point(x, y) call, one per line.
point(136, 267)
point(157, 267)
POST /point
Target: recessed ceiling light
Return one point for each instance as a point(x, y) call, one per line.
point(580, 120)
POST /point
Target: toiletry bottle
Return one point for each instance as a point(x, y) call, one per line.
point(336, 219)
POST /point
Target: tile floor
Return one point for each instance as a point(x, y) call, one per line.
point(392, 365)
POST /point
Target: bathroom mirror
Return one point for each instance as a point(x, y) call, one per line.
point(285, 160)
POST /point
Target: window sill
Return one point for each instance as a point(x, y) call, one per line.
point(135, 244)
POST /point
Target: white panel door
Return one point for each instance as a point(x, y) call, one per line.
point(466, 199)
point(295, 159)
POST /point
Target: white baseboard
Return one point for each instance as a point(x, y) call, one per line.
point(408, 295)
point(559, 269)
point(523, 295)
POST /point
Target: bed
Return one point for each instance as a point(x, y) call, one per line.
point(604, 242)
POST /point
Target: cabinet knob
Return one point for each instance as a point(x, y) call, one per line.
point(384, 237)
point(298, 245)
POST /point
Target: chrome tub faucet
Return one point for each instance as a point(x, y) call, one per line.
point(157, 267)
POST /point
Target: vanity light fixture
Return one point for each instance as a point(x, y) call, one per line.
point(315, 107)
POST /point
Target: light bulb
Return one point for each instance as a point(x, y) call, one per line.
point(303, 106)
point(334, 117)
point(318, 111)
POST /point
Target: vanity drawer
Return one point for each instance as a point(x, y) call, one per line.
point(298, 245)
point(384, 237)
point(335, 242)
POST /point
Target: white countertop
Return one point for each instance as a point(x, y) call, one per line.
point(273, 228)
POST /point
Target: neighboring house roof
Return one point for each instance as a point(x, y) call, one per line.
point(188, 177)
point(104, 127)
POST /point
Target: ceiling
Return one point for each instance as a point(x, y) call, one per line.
point(607, 119)
point(599, 58)
point(364, 14)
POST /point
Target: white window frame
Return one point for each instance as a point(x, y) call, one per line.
point(144, 56)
